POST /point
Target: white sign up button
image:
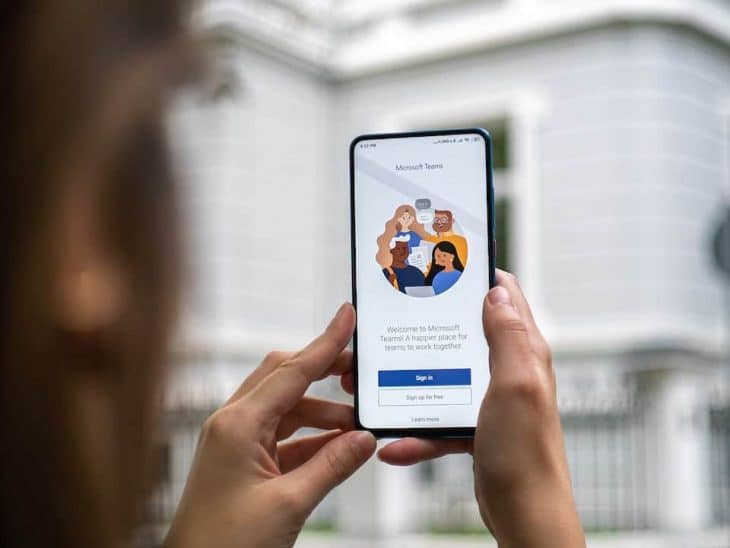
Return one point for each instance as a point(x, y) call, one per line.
point(425, 396)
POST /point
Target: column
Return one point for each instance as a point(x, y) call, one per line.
point(380, 501)
point(677, 456)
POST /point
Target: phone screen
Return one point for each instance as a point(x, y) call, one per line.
point(422, 263)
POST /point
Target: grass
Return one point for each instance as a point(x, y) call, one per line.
point(322, 526)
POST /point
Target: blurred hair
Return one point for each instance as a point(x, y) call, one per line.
point(85, 84)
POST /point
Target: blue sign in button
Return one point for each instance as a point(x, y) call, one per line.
point(425, 377)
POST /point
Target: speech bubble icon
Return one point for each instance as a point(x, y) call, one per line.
point(425, 216)
point(423, 203)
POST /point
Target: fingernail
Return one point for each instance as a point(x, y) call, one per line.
point(499, 295)
point(339, 313)
point(363, 441)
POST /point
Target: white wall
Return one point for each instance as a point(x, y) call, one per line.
point(624, 161)
point(256, 170)
point(619, 167)
point(634, 148)
point(629, 174)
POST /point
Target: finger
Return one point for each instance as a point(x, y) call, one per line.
point(409, 451)
point(316, 413)
point(278, 392)
point(331, 465)
point(296, 452)
point(347, 381)
point(341, 365)
point(318, 357)
point(505, 329)
point(271, 361)
point(537, 341)
point(510, 283)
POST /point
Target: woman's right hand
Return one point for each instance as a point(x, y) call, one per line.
point(251, 486)
point(521, 478)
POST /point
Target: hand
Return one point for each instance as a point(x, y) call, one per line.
point(247, 487)
point(521, 478)
point(391, 276)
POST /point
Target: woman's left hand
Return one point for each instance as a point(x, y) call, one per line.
point(248, 487)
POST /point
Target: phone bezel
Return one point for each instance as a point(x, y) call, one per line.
point(449, 432)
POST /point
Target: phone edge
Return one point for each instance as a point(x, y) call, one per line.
point(450, 432)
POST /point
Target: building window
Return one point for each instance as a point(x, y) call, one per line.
point(500, 143)
point(499, 129)
point(502, 220)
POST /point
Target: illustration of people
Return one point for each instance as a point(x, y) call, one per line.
point(443, 222)
point(405, 247)
point(407, 218)
point(403, 224)
point(397, 272)
point(446, 267)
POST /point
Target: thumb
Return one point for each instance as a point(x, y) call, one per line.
point(505, 329)
point(332, 464)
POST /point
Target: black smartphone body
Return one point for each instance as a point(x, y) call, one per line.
point(423, 258)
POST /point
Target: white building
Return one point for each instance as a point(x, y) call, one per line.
point(611, 122)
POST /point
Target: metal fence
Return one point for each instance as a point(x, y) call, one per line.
point(606, 444)
point(719, 418)
point(607, 454)
point(611, 463)
point(181, 428)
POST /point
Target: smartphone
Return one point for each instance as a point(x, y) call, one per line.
point(423, 258)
